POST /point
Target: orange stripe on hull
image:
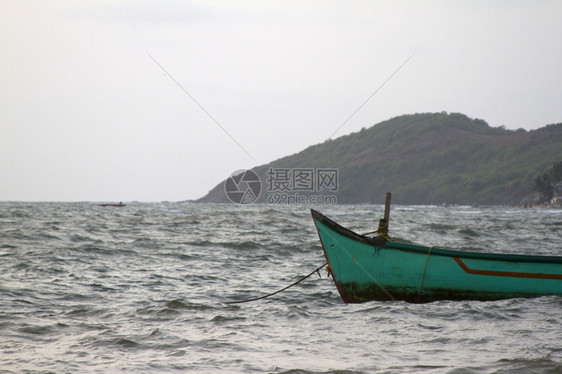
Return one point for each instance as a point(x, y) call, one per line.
point(506, 273)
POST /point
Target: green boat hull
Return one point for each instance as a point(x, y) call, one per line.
point(366, 269)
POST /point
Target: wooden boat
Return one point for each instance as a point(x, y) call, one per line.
point(368, 268)
point(120, 205)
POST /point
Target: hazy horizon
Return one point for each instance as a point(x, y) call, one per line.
point(88, 116)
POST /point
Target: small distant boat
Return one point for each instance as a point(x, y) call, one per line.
point(368, 268)
point(120, 205)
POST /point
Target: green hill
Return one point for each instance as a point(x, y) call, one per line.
point(434, 158)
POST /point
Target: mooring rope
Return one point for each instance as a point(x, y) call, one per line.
point(423, 273)
point(278, 291)
point(381, 231)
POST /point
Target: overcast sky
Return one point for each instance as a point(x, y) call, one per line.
point(87, 115)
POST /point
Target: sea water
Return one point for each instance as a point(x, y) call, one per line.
point(144, 289)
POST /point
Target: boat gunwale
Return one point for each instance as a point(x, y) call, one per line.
point(435, 251)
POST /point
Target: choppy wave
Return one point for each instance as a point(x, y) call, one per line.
point(144, 289)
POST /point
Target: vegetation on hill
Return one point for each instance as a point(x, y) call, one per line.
point(431, 158)
point(545, 181)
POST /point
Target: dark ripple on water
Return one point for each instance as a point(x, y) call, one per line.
point(142, 289)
